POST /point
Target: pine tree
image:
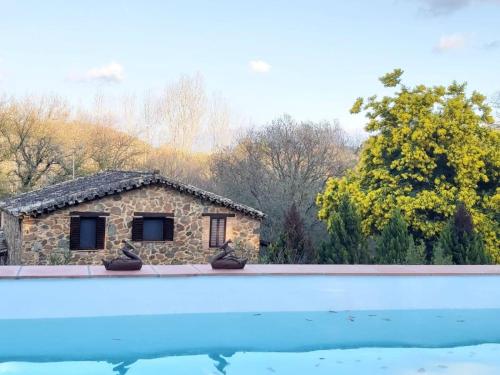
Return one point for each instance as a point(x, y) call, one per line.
point(346, 244)
point(394, 241)
point(459, 240)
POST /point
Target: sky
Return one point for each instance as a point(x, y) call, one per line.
point(310, 59)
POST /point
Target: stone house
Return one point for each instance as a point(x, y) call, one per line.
point(85, 220)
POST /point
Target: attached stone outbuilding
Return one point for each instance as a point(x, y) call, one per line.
point(85, 220)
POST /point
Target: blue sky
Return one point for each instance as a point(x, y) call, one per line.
point(310, 58)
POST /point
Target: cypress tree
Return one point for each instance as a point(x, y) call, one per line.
point(346, 244)
point(394, 241)
point(459, 240)
point(293, 245)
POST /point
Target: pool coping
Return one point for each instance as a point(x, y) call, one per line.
point(66, 271)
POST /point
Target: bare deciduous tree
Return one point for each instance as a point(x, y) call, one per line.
point(28, 138)
point(219, 127)
point(180, 110)
point(281, 164)
point(109, 148)
point(188, 167)
point(185, 118)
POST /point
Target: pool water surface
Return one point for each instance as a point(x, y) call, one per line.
point(339, 342)
point(348, 325)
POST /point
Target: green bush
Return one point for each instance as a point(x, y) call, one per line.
point(439, 257)
point(416, 253)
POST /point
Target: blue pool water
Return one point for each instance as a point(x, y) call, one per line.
point(340, 342)
point(289, 325)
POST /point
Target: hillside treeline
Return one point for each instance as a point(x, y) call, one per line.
point(267, 166)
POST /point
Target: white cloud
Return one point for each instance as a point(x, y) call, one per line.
point(259, 66)
point(112, 73)
point(450, 42)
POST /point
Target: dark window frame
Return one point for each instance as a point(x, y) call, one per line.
point(76, 229)
point(138, 224)
point(217, 215)
point(84, 221)
point(149, 220)
point(218, 242)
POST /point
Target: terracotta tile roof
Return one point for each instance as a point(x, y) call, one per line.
point(84, 189)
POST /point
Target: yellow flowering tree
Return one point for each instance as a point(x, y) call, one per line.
point(430, 148)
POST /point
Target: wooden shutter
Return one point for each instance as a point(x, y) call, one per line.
point(100, 232)
point(74, 233)
point(217, 231)
point(137, 228)
point(213, 232)
point(221, 236)
point(168, 229)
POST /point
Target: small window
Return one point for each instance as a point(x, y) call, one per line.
point(217, 231)
point(88, 232)
point(152, 229)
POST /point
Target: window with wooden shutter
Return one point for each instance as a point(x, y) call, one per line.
point(88, 226)
point(152, 226)
point(217, 231)
point(152, 229)
point(137, 228)
point(87, 232)
point(168, 229)
point(74, 233)
point(100, 232)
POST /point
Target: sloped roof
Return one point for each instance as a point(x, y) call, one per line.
point(84, 189)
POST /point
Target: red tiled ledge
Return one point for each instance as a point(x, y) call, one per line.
point(21, 272)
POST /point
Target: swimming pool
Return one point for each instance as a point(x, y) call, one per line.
point(251, 325)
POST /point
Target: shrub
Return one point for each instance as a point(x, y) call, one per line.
point(439, 257)
point(60, 257)
point(416, 253)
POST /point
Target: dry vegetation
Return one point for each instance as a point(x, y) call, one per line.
point(183, 132)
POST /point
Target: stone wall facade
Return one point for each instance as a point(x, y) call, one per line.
point(11, 226)
point(45, 239)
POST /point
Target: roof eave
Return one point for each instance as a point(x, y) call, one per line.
point(191, 190)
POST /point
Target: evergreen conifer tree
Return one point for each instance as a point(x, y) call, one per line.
point(394, 241)
point(439, 257)
point(415, 253)
point(459, 240)
point(293, 245)
point(347, 244)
